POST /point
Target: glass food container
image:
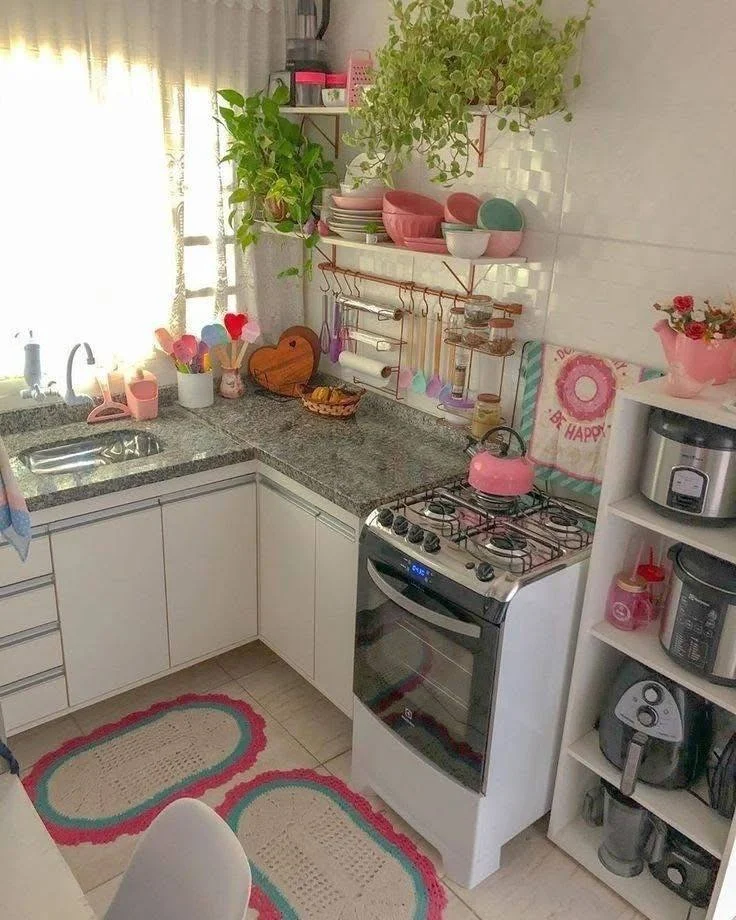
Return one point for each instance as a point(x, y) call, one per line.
point(479, 310)
point(475, 334)
point(486, 415)
point(309, 86)
point(501, 339)
point(460, 373)
point(455, 325)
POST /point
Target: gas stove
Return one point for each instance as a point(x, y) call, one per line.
point(493, 545)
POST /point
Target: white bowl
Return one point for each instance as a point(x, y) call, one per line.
point(467, 245)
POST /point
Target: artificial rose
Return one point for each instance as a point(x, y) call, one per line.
point(683, 303)
point(699, 316)
point(695, 330)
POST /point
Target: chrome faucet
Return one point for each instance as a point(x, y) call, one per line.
point(70, 397)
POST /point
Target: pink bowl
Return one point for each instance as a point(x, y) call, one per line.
point(504, 243)
point(401, 227)
point(462, 209)
point(396, 202)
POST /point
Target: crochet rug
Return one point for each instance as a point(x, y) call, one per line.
point(318, 851)
point(114, 781)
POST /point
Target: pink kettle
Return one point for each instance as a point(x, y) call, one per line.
point(494, 472)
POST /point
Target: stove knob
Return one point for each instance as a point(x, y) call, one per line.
point(676, 876)
point(646, 716)
point(386, 517)
point(484, 571)
point(431, 543)
point(416, 534)
point(401, 525)
point(652, 694)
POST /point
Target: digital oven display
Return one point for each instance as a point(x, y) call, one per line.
point(420, 572)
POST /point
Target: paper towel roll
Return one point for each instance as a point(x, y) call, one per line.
point(366, 367)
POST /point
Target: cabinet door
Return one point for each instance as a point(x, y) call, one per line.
point(211, 570)
point(112, 605)
point(286, 575)
point(336, 599)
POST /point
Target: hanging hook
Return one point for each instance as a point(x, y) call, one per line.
point(354, 276)
point(401, 295)
point(326, 288)
point(440, 311)
point(411, 295)
point(425, 308)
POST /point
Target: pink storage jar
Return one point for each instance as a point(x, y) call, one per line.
point(309, 86)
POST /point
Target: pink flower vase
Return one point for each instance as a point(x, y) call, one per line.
point(700, 360)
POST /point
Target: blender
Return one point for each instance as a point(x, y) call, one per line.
point(307, 22)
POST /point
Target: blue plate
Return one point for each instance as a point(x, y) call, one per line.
point(500, 214)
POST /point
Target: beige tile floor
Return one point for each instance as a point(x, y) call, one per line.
point(536, 880)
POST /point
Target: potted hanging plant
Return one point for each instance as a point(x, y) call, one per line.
point(278, 172)
point(505, 57)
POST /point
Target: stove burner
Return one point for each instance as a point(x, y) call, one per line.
point(439, 509)
point(563, 522)
point(508, 543)
point(501, 504)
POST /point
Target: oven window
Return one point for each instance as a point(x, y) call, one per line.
point(431, 686)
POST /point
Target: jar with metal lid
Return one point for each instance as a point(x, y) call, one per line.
point(501, 336)
point(456, 324)
point(479, 309)
point(486, 415)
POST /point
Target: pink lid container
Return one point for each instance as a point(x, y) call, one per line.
point(311, 77)
point(336, 81)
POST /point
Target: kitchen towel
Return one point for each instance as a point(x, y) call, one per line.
point(566, 405)
point(15, 521)
point(375, 371)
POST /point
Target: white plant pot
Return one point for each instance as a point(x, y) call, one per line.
point(196, 391)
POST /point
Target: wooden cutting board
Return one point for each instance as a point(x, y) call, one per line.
point(310, 335)
point(285, 367)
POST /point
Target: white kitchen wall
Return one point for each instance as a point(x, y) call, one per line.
point(633, 202)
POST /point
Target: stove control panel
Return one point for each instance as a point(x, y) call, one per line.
point(386, 517)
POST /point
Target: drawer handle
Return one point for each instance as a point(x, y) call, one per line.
point(210, 489)
point(23, 587)
point(27, 682)
point(105, 515)
point(28, 634)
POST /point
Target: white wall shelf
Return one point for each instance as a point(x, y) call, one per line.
point(643, 891)
point(624, 514)
point(718, 541)
point(644, 646)
point(678, 807)
point(333, 110)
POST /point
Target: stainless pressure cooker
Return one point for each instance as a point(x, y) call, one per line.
point(690, 467)
point(698, 628)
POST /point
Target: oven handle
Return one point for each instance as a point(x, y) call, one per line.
point(423, 613)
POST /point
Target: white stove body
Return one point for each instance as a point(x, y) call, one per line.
point(532, 682)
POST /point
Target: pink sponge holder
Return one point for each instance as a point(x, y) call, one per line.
point(141, 393)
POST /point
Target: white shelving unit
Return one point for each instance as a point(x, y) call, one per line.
point(601, 648)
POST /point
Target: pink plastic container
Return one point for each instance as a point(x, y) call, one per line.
point(336, 81)
point(504, 243)
point(461, 208)
point(360, 68)
point(398, 202)
point(629, 606)
point(401, 227)
point(141, 393)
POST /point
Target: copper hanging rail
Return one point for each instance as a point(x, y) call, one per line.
point(349, 273)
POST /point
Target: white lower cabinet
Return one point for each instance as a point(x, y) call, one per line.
point(286, 562)
point(210, 548)
point(109, 572)
point(336, 598)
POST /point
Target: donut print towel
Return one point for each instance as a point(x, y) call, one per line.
point(566, 403)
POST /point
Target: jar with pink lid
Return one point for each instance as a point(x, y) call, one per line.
point(629, 606)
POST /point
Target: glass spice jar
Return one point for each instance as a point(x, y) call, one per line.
point(479, 309)
point(455, 325)
point(486, 415)
point(501, 339)
point(460, 373)
point(475, 334)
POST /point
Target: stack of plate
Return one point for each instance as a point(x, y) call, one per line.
point(354, 224)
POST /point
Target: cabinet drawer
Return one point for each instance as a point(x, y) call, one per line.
point(37, 564)
point(27, 608)
point(29, 657)
point(33, 703)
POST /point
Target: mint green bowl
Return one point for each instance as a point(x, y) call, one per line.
point(500, 214)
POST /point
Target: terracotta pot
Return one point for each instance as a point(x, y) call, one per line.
point(276, 210)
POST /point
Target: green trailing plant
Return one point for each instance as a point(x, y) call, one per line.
point(278, 172)
point(503, 55)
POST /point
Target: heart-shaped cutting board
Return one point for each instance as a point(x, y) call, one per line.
point(284, 368)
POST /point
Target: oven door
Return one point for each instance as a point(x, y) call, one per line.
point(426, 667)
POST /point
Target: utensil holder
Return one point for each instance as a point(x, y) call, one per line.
point(196, 391)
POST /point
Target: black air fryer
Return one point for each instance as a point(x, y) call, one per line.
point(654, 730)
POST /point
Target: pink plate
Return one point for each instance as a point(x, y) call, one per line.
point(357, 203)
point(461, 208)
point(427, 244)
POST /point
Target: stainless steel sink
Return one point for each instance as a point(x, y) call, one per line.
point(103, 449)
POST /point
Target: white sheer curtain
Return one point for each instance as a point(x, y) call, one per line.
point(111, 195)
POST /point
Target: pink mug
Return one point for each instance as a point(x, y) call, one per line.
point(629, 606)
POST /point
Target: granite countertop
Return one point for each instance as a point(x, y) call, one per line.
point(386, 450)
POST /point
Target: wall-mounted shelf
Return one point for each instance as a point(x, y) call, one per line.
point(308, 113)
point(334, 110)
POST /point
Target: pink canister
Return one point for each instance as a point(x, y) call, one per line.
point(629, 606)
